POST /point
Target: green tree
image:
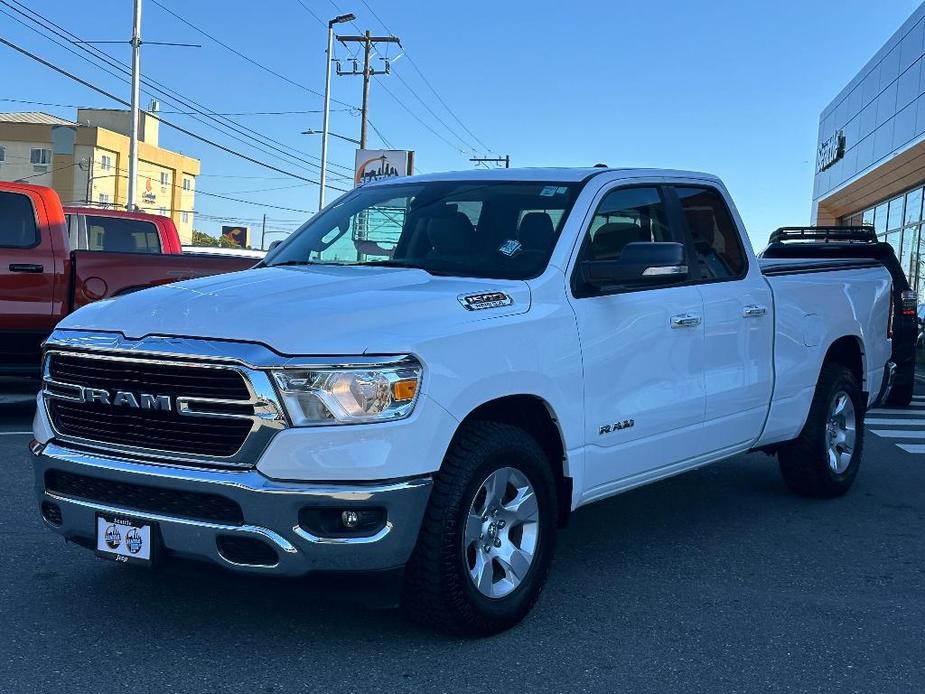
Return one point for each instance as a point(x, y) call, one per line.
point(200, 238)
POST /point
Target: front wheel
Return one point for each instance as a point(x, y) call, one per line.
point(487, 539)
point(824, 460)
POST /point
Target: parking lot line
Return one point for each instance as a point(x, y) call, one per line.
point(899, 433)
point(895, 421)
point(15, 433)
point(912, 447)
point(906, 412)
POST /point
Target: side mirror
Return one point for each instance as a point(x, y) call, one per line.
point(274, 244)
point(640, 263)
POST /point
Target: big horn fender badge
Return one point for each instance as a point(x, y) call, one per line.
point(477, 302)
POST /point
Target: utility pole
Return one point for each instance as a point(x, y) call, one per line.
point(327, 103)
point(368, 41)
point(136, 96)
point(263, 230)
point(506, 160)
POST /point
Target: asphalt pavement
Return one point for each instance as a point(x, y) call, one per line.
point(714, 581)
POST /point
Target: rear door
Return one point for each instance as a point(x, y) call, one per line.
point(28, 308)
point(737, 319)
point(643, 352)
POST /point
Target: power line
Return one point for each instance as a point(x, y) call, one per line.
point(169, 93)
point(186, 113)
point(181, 129)
point(427, 82)
point(242, 55)
point(419, 119)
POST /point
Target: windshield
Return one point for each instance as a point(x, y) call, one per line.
point(498, 229)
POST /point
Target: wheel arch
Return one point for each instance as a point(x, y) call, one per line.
point(848, 351)
point(537, 417)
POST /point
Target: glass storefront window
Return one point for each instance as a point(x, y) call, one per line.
point(909, 243)
point(893, 238)
point(913, 207)
point(895, 218)
point(880, 218)
point(868, 217)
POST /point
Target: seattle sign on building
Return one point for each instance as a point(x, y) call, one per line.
point(377, 164)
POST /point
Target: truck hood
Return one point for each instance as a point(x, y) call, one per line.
point(321, 310)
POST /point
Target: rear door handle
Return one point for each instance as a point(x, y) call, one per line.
point(754, 311)
point(26, 267)
point(685, 320)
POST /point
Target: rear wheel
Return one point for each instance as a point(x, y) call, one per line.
point(487, 539)
point(824, 460)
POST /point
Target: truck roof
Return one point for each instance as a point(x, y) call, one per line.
point(547, 173)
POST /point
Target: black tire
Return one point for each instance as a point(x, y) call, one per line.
point(901, 394)
point(804, 462)
point(438, 590)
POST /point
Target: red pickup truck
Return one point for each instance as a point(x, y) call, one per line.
point(53, 261)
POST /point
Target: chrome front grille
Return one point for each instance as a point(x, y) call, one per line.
point(171, 411)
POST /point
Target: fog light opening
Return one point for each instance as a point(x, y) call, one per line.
point(342, 522)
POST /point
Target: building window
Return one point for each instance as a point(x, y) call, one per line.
point(2, 154)
point(105, 163)
point(185, 217)
point(913, 206)
point(895, 219)
point(104, 199)
point(163, 212)
point(165, 178)
point(40, 157)
point(187, 183)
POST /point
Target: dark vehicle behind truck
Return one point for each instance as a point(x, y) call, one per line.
point(861, 242)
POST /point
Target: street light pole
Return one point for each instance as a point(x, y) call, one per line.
point(327, 102)
point(136, 96)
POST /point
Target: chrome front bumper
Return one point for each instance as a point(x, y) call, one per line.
point(270, 511)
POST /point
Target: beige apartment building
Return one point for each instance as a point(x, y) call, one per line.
point(86, 162)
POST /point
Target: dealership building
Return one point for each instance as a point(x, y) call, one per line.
point(86, 162)
point(870, 161)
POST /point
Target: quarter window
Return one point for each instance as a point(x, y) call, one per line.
point(625, 215)
point(17, 222)
point(717, 248)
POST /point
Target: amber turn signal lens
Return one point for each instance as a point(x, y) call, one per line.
point(405, 390)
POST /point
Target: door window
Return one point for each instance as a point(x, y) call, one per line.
point(718, 249)
point(17, 222)
point(121, 235)
point(625, 215)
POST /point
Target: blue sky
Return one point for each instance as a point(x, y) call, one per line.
point(730, 87)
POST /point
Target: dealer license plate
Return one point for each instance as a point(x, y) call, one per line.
point(123, 539)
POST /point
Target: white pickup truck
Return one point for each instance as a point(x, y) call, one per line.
point(433, 372)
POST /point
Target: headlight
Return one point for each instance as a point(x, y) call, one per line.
point(349, 395)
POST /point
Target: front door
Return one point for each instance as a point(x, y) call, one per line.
point(27, 283)
point(643, 353)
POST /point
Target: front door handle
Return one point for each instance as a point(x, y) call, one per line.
point(754, 311)
point(685, 320)
point(26, 267)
